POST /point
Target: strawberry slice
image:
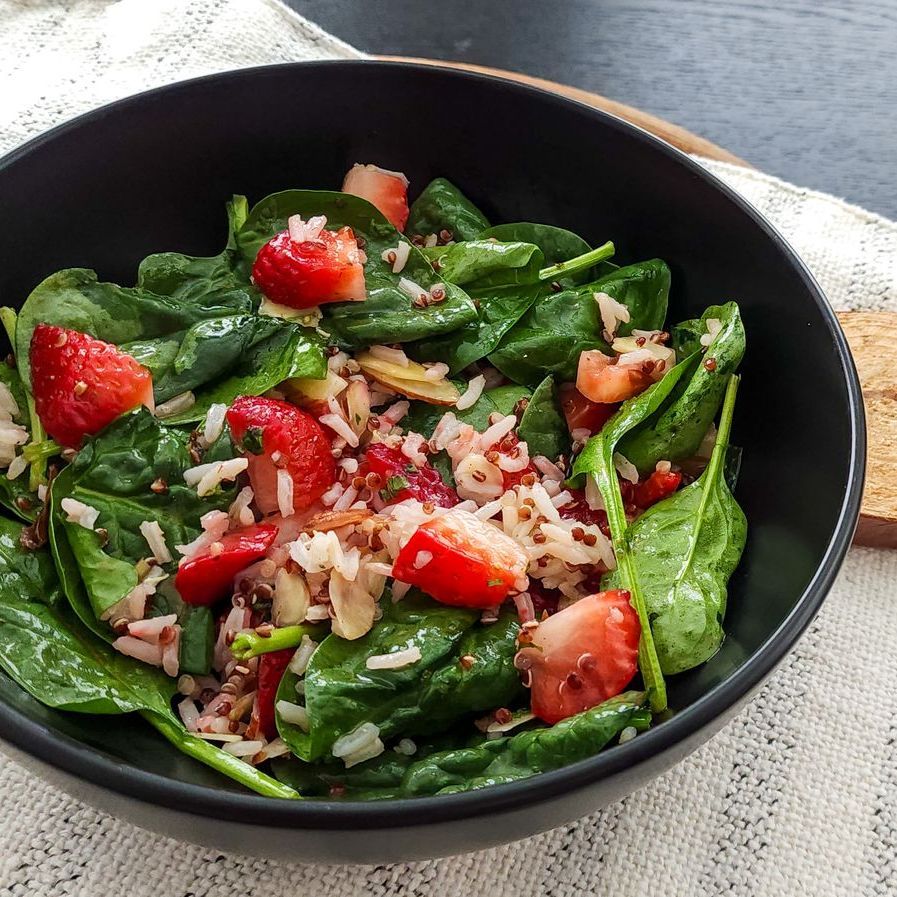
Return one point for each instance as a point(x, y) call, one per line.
point(272, 666)
point(386, 190)
point(82, 384)
point(461, 560)
point(655, 488)
point(329, 268)
point(582, 413)
point(208, 577)
point(582, 655)
point(275, 436)
point(401, 479)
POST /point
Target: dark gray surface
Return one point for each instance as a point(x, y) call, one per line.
point(802, 89)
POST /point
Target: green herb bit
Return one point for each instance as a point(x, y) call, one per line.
point(251, 644)
point(394, 485)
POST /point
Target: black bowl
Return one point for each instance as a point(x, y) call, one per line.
point(152, 172)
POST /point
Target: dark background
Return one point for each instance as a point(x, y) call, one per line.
point(803, 89)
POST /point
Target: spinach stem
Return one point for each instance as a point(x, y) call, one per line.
point(251, 644)
point(206, 752)
point(8, 318)
point(571, 266)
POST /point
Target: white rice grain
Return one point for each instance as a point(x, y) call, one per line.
point(473, 392)
point(393, 356)
point(299, 662)
point(155, 538)
point(625, 468)
point(18, 466)
point(214, 424)
point(395, 660)
point(284, 493)
point(341, 427)
point(294, 714)
point(80, 513)
point(243, 748)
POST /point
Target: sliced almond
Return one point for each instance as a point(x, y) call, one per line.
point(409, 380)
point(328, 520)
point(304, 390)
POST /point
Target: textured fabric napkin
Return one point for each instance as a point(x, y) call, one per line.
point(798, 795)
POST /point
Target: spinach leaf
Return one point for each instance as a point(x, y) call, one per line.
point(197, 628)
point(18, 495)
point(424, 697)
point(597, 460)
point(277, 351)
point(675, 431)
point(557, 245)
point(685, 548)
point(75, 299)
point(442, 206)
point(478, 765)
point(559, 327)
point(114, 473)
point(46, 650)
point(542, 425)
point(500, 308)
point(388, 314)
point(482, 263)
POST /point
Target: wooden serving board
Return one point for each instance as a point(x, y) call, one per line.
point(867, 332)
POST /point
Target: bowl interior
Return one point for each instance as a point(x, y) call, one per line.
point(153, 173)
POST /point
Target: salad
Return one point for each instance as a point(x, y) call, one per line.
point(377, 502)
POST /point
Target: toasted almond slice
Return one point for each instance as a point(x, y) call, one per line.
point(410, 380)
point(328, 520)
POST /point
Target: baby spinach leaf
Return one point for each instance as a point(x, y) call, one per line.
point(556, 243)
point(46, 650)
point(18, 495)
point(542, 425)
point(114, 473)
point(442, 206)
point(341, 693)
point(388, 314)
point(75, 299)
point(685, 548)
point(500, 308)
point(481, 263)
point(528, 753)
point(597, 460)
point(559, 327)
point(676, 429)
point(197, 628)
point(485, 762)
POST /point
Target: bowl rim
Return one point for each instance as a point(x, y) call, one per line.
point(103, 770)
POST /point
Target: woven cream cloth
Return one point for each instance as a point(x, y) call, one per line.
point(797, 796)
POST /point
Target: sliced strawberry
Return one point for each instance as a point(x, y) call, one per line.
point(583, 414)
point(384, 189)
point(272, 666)
point(209, 577)
point(400, 479)
point(603, 380)
point(329, 268)
point(82, 384)
point(582, 655)
point(656, 487)
point(461, 560)
point(274, 436)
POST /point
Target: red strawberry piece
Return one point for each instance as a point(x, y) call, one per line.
point(582, 655)
point(461, 560)
point(208, 577)
point(386, 190)
point(329, 268)
point(276, 435)
point(400, 479)
point(272, 666)
point(82, 384)
point(656, 487)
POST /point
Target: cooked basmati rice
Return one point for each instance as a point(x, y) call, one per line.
point(155, 538)
point(80, 513)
